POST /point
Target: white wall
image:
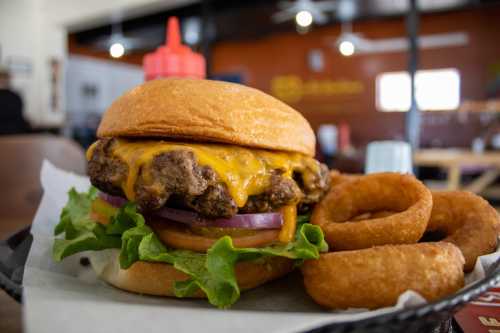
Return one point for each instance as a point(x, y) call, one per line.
point(34, 32)
point(27, 37)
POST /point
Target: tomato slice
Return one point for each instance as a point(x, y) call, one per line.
point(103, 208)
point(182, 238)
point(99, 218)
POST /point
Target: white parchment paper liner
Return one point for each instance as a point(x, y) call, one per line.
point(67, 297)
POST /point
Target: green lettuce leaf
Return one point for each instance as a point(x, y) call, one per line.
point(80, 231)
point(75, 215)
point(212, 272)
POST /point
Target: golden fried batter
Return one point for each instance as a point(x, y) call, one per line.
point(403, 194)
point(374, 278)
point(468, 221)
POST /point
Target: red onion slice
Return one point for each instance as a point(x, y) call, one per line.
point(113, 200)
point(243, 221)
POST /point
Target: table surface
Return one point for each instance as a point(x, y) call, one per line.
point(451, 157)
point(21, 193)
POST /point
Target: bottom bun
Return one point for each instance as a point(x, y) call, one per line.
point(158, 279)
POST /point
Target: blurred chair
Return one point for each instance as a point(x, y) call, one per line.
point(20, 174)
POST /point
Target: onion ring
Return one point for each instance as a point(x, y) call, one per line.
point(466, 220)
point(375, 277)
point(403, 194)
point(373, 215)
point(337, 178)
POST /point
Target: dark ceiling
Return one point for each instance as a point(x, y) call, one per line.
point(231, 19)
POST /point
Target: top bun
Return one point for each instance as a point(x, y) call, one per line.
point(208, 111)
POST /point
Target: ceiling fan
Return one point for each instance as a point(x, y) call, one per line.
point(349, 42)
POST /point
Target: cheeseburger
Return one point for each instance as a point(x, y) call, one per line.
point(200, 189)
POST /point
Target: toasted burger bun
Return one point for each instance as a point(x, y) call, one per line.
point(208, 111)
point(158, 279)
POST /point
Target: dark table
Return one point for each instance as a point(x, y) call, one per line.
point(21, 193)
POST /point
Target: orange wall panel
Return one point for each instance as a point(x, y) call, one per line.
point(260, 61)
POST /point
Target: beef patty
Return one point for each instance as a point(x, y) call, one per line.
point(179, 181)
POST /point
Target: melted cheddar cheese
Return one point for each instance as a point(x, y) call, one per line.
point(289, 223)
point(245, 172)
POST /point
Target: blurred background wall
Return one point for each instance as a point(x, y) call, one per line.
point(286, 55)
point(250, 49)
point(58, 55)
point(33, 45)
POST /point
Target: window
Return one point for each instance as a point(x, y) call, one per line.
point(436, 89)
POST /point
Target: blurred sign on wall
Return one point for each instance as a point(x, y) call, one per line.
point(292, 88)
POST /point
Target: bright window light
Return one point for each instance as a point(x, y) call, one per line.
point(393, 91)
point(436, 90)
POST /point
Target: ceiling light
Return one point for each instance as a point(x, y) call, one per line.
point(116, 50)
point(304, 18)
point(346, 48)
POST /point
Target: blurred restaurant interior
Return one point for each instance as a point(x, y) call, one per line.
point(348, 66)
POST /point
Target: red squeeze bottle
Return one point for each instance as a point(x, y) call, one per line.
point(344, 137)
point(173, 58)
